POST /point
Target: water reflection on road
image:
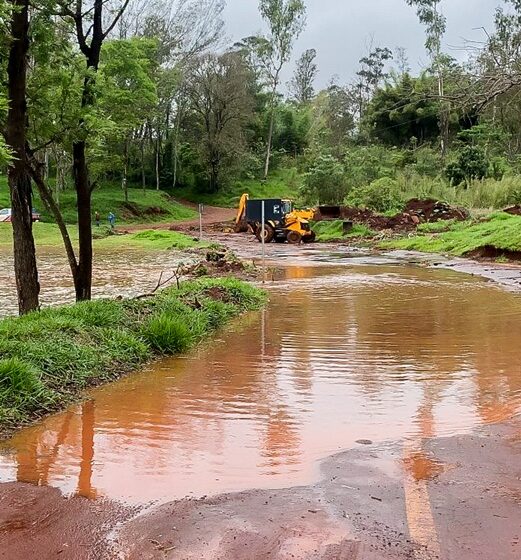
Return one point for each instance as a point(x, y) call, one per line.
point(388, 353)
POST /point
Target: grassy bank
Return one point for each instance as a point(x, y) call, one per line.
point(282, 183)
point(143, 207)
point(500, 231)
point(48, 235)
point(50, 357)
point(334, 231)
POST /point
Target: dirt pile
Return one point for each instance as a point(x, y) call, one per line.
point(130, 210)
point(513, 210)
point(415, 212)
point(221, 262)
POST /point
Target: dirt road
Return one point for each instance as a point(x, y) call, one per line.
point(458, 500)
point(211, 215)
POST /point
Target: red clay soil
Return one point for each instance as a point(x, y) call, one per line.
point(38, 522)
point(212, 216)
point(454, 498)
point(514, 210)
point(489, 252)
point(415, 212)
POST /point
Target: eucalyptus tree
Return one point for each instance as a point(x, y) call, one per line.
point(430, 15)
point(286, 20)
point(15, 134)
point(93, 22)
point(218, 90)
point(370, 75)
point(302, 85)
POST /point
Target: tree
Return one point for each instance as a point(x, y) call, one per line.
point(286, 19)
point(90, 34)
point(370, 75)
point(217, 87)
point(429, 14)
point(26, 272)
point(302, 85)
point(403, 113)
point(325, 181)
point(127, 92)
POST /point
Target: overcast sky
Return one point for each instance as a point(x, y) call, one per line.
point(340, 30)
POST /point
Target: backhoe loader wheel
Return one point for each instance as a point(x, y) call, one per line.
point(269, 233)
point(294, 237)
point(311, 238)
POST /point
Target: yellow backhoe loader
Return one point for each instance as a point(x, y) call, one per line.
point(281, 221)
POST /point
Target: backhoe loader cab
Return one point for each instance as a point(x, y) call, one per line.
point(281, 222)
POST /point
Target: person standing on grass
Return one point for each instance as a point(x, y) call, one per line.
point(112, 220)
point(97, 217)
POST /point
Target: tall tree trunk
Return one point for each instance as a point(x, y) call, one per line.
point(124, 180)
point(271, 127)
point(270, 141)
point(26, 271)
point(143, 174)
point(444, 116)
point(157, 164)
point(83, 279)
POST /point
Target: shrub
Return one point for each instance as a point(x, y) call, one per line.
point(470, 163)
point(382, 195)
point(18, 382)
point(325, 182)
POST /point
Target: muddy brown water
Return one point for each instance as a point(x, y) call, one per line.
point(342, 354)
point(126, 273)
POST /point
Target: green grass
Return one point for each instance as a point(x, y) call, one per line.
point(49, 357)
point(500, 231)
point(282, 183)
point(332, 230)
point(48, 235)
point(150, 240)
point(149, 207)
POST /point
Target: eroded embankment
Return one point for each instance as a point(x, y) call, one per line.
point(48, 358)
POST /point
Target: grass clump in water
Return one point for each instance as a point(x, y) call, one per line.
point(167, 334)
point(49, 357)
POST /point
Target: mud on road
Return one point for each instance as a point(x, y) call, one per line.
point(455, 498)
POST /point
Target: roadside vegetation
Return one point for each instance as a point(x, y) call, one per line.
point(48, 235)
point(49, 357)
point(142, 207)
point(334, 231)
point(496, 235)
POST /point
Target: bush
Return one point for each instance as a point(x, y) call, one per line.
point(167, 334)
point(325, 181)
point(470, 163)
point(382, 195)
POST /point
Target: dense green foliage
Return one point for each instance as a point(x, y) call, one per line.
point(49, 357)
point(170, 111)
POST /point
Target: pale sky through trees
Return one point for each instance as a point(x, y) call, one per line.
point(340, 30)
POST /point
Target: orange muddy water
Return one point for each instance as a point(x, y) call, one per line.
point(342, 356)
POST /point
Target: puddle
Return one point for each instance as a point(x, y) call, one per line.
point(380, 353)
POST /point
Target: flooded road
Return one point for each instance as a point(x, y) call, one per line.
point(125, 273)
point(343, 357)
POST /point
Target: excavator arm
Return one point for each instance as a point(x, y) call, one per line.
point(241, 212)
